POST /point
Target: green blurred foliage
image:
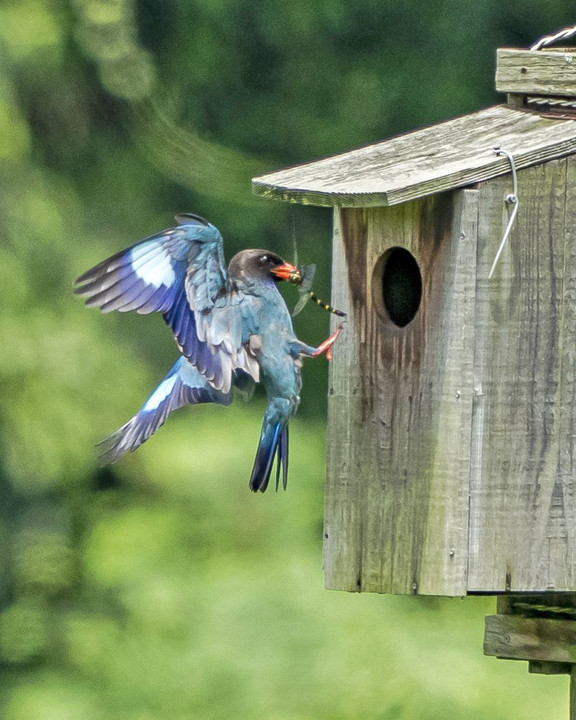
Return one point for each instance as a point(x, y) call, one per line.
point(161, 588)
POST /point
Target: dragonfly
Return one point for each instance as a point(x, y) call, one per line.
point(303, 277)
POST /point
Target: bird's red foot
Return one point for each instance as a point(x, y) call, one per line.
point(326, 346)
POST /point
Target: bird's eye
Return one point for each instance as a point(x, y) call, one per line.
point(264, 259)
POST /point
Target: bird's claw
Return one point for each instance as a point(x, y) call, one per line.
point(326, 346)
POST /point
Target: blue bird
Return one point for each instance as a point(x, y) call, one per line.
point(231, 325)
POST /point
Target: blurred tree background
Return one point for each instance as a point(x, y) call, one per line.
point(160, 587)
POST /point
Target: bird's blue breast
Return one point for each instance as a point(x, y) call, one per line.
point(271, 321)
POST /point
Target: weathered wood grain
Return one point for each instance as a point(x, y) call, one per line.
point(453, 154)
point(560, 605)
point(343, 514)
point(499, 633)
point(523, 476)
point(543, 72)
point(520, 638)
point(400, 404)
point(541, 667)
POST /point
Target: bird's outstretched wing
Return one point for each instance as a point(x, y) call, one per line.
point(179, 272)
point(183, 385)
point(148, 276)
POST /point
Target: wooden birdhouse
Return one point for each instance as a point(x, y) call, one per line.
point(452, 415)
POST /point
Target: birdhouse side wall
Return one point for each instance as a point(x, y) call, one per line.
point(523, 474)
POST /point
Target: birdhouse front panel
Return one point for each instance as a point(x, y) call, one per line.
point(401, 395)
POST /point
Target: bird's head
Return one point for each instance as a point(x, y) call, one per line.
point(254, 265)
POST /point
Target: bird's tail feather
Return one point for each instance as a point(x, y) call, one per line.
point(182, 386)
point(273, 444)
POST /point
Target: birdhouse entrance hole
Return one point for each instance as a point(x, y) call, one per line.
point(397, 286)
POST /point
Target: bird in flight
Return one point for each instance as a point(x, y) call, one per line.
point(231, 325)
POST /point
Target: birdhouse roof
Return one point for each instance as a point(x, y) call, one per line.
point(441, 157)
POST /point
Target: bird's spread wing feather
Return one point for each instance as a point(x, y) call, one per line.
point(179, 272)
point(149, 276)
point(183, 385)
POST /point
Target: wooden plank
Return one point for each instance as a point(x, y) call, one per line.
point(559, 604)
point(542, 72)
point(556, 606)
point(519, 638)
point(342, 516)
point(538, 667)
point(523, 477)
point(560, 542)
point(400, 404)
point(453, 154)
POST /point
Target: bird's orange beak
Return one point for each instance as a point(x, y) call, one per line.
point(286, 271)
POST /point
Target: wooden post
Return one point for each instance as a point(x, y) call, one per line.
point(573, 693)
point(551, 72)
point(539, 628)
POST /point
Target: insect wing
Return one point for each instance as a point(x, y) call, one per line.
point(307, 273)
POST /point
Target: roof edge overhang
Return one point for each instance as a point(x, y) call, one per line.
point(449, 155)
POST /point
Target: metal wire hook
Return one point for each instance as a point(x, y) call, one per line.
point(549, 39)
point(510, 199)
